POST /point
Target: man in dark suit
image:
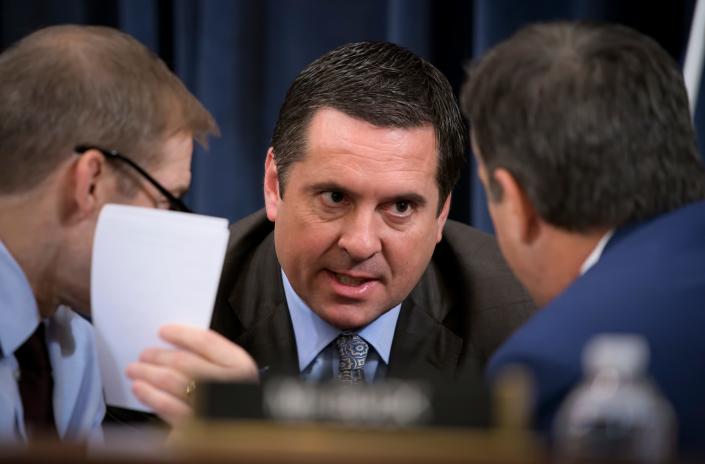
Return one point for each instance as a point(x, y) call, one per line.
point(366, 150)
point(586, 147)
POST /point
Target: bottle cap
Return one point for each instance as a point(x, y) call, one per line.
point(626, 353)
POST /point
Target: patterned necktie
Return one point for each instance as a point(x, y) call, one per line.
point(36, 385)
point(353, 352)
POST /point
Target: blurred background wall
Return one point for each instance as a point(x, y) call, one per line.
point(239, 57)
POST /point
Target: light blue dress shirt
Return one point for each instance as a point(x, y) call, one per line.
point(78, 398)
point(318, 356)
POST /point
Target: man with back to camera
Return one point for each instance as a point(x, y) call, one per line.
point(79, 105)
point(352, 271)
point(585, 144)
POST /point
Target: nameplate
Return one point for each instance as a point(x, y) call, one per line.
point(392, 403)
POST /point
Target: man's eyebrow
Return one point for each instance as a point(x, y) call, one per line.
point(412, 197)
point(330, 186)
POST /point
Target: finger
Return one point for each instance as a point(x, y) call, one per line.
point(163, 378)
point(184, 362)
point(169, 408)
point(206, 343)
point(193, 366)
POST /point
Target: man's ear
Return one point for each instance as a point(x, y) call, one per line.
point(519, 214)
point(443, 217)
point(272, 196)
point(89, 176)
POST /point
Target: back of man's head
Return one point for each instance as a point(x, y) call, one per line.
point(65, 86)
point(380, 83)
point(591, 120)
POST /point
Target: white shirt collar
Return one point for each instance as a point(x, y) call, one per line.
point(596, 253)
point(18, 306)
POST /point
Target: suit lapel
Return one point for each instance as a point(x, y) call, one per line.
point(271, 342)
point(423, 346)
point(258, 302)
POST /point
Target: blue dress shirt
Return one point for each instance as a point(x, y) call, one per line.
point(78, 398)
point(318, 356)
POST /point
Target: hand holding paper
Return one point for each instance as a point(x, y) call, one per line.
point(151, 268)
point(162, 375)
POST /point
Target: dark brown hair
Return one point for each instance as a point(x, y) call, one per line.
point(591, 119)
point(380, 83)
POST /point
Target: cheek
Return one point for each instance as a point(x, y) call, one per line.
point(300, 244)
point(138, 197)
point(501, 236)
point(514, 260)
point(144, 200)
point(504, 247)
point(408, 255)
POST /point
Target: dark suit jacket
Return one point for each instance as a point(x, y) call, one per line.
point(650, 281)
point(466, 303)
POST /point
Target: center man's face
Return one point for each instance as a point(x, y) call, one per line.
point(358, 222)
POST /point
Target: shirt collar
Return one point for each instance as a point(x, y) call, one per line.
point(313, 334)
point(596, 253)
point(18, 307)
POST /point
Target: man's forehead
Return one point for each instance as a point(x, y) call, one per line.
point(333, 131)
point(333, 116)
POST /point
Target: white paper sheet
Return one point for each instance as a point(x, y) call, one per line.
point(150, 267)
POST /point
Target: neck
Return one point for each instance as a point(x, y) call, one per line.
point(562, 255)
point(26, 231)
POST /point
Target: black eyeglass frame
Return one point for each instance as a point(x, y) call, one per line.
point(174, 203)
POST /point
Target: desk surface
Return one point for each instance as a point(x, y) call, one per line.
point(259, 442)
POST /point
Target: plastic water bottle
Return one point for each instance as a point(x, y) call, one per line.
point(616, 413)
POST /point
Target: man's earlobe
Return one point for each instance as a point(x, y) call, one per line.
point(272, 195)
point(443, 217)
point(519, 212)
point(88, 173)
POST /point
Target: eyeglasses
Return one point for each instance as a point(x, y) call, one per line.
point(174, 203)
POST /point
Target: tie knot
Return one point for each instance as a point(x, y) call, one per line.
point(352, 350)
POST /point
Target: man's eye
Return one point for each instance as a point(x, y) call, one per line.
point(333, 198)
point(402, 208)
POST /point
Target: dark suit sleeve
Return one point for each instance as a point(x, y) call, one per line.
point(552, 379)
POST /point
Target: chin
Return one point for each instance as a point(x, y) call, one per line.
point(347, 323)
point(347, 318)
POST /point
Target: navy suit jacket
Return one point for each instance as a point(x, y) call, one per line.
point(650, 281)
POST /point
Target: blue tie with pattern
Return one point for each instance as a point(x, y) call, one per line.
point(352, 350)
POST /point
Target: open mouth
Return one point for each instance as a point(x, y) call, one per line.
point(349, 280)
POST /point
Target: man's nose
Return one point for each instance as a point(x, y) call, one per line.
point(360, 236)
